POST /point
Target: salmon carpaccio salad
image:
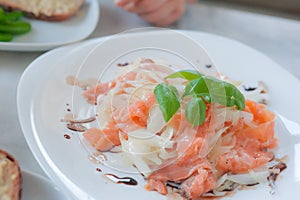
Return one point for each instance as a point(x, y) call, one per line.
point(183, 130)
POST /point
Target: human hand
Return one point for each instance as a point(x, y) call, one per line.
point(158, 12)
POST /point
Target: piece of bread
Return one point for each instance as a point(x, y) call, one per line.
point(50, 10)
point(10, 177)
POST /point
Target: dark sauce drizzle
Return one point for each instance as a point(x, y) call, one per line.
point(98, 169)
point(143, 175)
point(174, 185)
point(123, 180)
point(247, 89)
point(273, 176)
point(67, 136)
point(122, 64)
point(79, 121)
point(76, 127)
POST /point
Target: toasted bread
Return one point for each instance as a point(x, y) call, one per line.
point(50, 10)
point(10, 177)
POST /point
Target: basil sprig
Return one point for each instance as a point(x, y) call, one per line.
point(216, 90)
point(200, 89)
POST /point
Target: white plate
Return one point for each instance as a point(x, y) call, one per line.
point(37, 187)
point(43, 95)
point(47, 35)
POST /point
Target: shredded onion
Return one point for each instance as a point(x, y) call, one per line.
point(245, 179)
point(213, 141)
point(147, 150)
point(221, 180)
point(156, 120)
point(104, 110)
point(232, 115)
point(223, 145)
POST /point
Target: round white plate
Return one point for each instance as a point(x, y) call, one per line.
point(43, 95)
point(47, 35)
point(36, 187)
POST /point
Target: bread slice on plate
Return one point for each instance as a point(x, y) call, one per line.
point(50, 10)
point(10, 177)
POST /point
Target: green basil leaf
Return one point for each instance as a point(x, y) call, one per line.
point(168, 100)
point(194, 87)
point(225, 93)
point(235, 95)
point(216, 91)
point(206, 97)
point(186, 74)
point(196, 111)
point(200, 89)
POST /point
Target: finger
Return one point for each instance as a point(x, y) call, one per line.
point(131, 7)
point(166, 14)
point(124, 3)
point(191, 1)
point(145, 6)
point(173, 17)
point(158, 14)
point(121, 3)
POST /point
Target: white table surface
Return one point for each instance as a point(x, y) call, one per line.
point(276, 37)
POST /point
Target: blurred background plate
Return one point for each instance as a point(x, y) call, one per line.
point(37, 187)
point(47, 35)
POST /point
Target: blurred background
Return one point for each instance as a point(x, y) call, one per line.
point(283, 8)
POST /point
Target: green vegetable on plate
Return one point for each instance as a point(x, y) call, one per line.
point(15, 27)
point(10, 16)
point(6, 37)
point(198, 91)
point(168, 99)
point(196, 111)
point(11, 24)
